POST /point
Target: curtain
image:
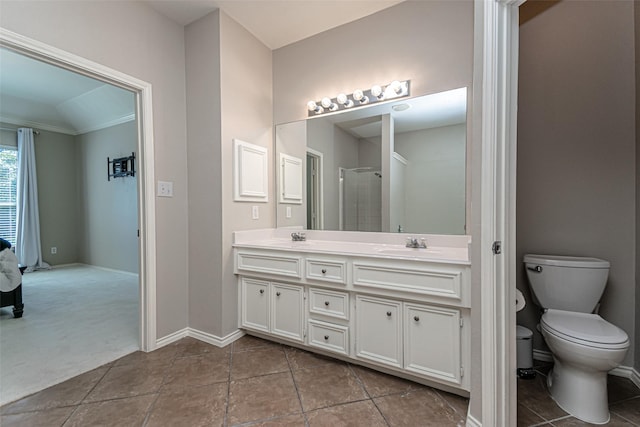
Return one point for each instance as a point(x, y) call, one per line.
point(28, 248)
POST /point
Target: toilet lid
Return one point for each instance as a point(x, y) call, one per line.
point(584, 328)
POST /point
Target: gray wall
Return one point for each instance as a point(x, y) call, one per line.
point(636, 21)
point(107, 209)
point(229, 96)
point(57, 196)
point(576, 191)
point(57, 193)
point(435, 179)
point(134, 39)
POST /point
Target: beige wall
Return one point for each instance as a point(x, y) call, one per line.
point(576, 191)
point(246, 100)
point(229, 96)
point(107, 209)
point(427, 42)
point(150, 47)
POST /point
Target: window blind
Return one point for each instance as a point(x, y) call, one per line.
point(8, 186)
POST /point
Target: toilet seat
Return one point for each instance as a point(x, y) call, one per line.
point(586, 329)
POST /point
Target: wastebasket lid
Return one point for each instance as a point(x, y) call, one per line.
point(522, 332)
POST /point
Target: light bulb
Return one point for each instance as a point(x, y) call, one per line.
point(341, 98)
point(377, 91)
point(319, 110)
point(359, 96)
point(312, 106)
point(326, 102)
point(396, 86)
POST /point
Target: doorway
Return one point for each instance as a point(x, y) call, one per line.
point(145, 161)
point(315, 201)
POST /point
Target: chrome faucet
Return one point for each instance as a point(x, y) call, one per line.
point(298, 236)
point(412, 242)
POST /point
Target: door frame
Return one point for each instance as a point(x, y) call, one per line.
point(495, 123)
point(146, 197)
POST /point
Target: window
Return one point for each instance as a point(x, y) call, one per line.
point(8, 186)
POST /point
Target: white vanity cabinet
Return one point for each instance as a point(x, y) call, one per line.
point(432, 342)
point(398, 315)
point(274, 308)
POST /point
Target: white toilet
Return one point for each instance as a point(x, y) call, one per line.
point(584, 346)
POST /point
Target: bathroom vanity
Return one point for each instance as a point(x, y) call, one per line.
point(362, 297)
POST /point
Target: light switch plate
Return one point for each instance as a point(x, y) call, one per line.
point(165, 189)
point(288, 211)
point(255, 212)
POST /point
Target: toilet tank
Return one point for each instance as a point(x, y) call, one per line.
point(566, 282)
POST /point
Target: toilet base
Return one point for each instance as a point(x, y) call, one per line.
point(579, 393)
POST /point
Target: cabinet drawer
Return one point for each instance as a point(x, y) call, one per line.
point(281, 265)
point(329, 303)
point(438, 281)
point(329, 337)
point(326, 271)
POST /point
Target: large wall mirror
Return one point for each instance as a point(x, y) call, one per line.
point(395, 167)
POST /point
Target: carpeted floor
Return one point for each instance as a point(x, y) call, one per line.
point(76, 318)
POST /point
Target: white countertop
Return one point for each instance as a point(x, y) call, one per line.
point(442, 249)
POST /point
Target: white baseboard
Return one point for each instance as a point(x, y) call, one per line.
point(199, 335)
point(215, 340)
point(171, 338)
point(472, 422)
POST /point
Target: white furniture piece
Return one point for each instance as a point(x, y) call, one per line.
point(584, 346)
point(398, 310)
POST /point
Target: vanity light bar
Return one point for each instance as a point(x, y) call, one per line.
point(377, 93)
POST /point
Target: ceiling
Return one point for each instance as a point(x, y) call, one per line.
point(45, 97)
point(276, 23)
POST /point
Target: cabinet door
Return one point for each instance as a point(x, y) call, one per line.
point(287, 311)
point(432, 342)
point(379, 330)
point(255, 304)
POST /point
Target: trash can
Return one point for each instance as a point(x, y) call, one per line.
point(524, 352)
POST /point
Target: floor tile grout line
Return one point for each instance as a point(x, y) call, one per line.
point(160, 389)
point(295, 385)
point(225, 421)
point(446, 401)
point(367, 393)
point(624, 418)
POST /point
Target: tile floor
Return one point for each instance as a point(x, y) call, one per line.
point(251, 382)
point(536, 408)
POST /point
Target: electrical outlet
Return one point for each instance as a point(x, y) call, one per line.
point(165, 189)
point(54, 250)
point(288, 211)
point(255, 212)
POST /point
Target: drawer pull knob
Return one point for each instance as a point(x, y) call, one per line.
point(416, 318)
point(388, 314)
point(277, 294)
point(262, 291)
point(326, 303)
point(324, 271)
point(326, 337)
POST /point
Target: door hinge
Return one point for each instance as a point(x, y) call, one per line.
point(461, 371)
point(461, 322)
point(497, 247)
